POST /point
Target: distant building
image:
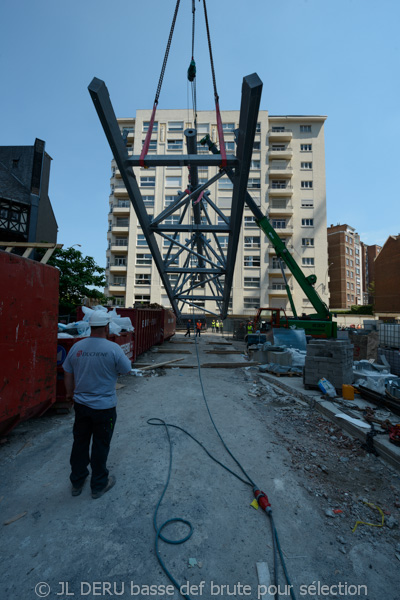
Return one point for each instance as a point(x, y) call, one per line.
point(387, 279)
point(369, 255)
point(26, 214)
point(345, 267)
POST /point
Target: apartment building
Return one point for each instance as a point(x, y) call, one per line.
point(287, 180)
point(345, 267)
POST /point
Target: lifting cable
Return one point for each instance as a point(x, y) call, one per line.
point(160, 81)
point(219, 121)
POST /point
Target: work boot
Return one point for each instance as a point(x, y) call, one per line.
point(76, 491)
point(110, 484)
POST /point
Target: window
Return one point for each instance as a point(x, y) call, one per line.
point(357, 261)
point(278, 184)
point(352, 286)
point(225, 184)
point(203, 128)
point(305, 128)
point(250, 222)
point(279, 223)
point(121, 222)
point(357, 251)
point(251, 302)
point(127, 130)
point(174, 144)
point(277, 265)
point(223, 240)
point(352, 297)
point(146, 126)
point(142, 279)
point(122, 242)
point(228, 127)
point(254, 183)
point(348, 297)
point(119, 300)
point(307, 204)
point(141, 240)
point(348, 285)
point(129, 149)
point(172, 220)
point(256, 145)
point(277, 129)
point(305, 147)
point(202, 149)
point(347, 273)
point(148, 200)
point(172, 181)
point(346, 237)
point(258, 128)
point(278, 147)
point(167, 243)
point(119, 281)
point(351, 263)
point(152, 145)
point(221, 221)
point(307, 242)
point(120, 261)
point(358, 291)
point(142, 298)
point(307, 262)
point(351, 251)
point(351, 274)
point(306, 165)
point(169, 200)
point(278, 286)
point(230, 146)
point(148, 182)
point(253, 282)
point(357, 271)
point(175, 261)
point(307, 222)
point(306, 185)
point(255, 164)
point(123, 203)
point(175, 126)
point(252, 241)
point(143, 259)
point(347, 261)
point(251, 261)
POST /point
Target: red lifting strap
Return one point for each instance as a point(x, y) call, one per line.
point(220, 135)
point(146, 144)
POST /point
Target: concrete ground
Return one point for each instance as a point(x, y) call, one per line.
point(105, 547)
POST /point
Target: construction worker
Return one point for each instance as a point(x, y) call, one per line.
point(188, 326)
point(221, 327)
point(90, 374)
point(213, 325)
point(198, 328)
point(249, 327)
point(217, 326)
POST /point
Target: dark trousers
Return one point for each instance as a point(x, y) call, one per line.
point(198, 332)
point(187, 333)
point(98, 426)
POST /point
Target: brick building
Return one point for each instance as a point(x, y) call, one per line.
point(387, 279)
point(344, 267)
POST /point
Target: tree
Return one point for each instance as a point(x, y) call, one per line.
point(77, 273)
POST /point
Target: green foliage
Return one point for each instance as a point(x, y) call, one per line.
point(77, 273)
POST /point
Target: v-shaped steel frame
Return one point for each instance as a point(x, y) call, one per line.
point(205, 266)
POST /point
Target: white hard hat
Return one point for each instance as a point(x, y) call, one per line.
point(99, 318)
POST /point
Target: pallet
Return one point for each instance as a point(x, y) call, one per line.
point(289, 374)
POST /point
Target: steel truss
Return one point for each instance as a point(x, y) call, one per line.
point(206, 267)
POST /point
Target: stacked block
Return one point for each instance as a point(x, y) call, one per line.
point(332, 359)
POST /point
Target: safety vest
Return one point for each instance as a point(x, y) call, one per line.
point(198, 325)
point(213, 323)
point(217, 324)
point(249, 328)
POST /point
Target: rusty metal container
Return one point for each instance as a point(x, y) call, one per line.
point(28, 343)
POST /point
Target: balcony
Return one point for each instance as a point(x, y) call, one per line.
point(116, 288)
point(289, 247)
point(119, 249)
point(117, 268)
point(118, 229)
point(276, 272)
point(277, 293)
point(121, 210)
point(283, 154)
point(120, 191)
point(284, 135)
point(280, 171)
point(284, 190)
point(280, 210)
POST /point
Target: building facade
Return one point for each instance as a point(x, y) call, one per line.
point(345, 268)
point(387, 279)
point(26, 214)
point(287, 180)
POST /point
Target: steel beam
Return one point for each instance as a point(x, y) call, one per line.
point(101, 100)
point(250, 104)
point(182, 160)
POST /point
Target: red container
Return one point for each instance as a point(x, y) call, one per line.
point(169, 324)
point(125, 340)
point(28, 344)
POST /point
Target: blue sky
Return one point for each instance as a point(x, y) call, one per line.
point(336, 58)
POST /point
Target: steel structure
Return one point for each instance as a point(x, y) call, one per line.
point(204, 267)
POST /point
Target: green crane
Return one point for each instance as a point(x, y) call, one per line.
point(319, 324)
